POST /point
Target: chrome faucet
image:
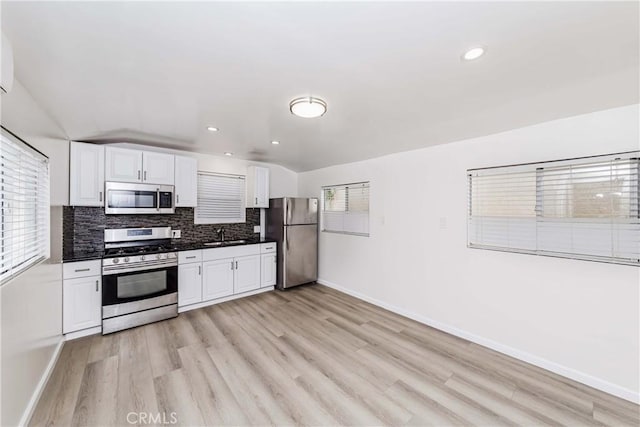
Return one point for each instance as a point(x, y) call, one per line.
point(220, 233)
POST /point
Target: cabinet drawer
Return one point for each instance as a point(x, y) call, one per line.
point(186, 257)
point(230, 252)
point(267, 248)
point(71, 270)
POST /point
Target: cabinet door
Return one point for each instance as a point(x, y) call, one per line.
point(86, 174)
point(186, 188)
point(262, 188)
point(189, 284)
point(158, 168)
point(123, 165)
point(81, 303)
point(247, 273)
point(268, 266)
point(217, 279)
point(257, 182)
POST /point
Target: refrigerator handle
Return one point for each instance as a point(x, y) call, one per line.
point(287, 211)
point(286, 241)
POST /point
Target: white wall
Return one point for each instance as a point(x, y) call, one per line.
point(22, 115)
point(31, 304)
point(578, 318)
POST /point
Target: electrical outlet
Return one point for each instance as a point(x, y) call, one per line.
point(176, 234)
point(443, 223)
point(256, 228)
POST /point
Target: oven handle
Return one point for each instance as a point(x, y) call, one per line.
point(117, 270)
point(157, 195)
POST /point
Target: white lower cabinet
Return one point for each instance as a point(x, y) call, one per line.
point(269, 270)
point(246, 274)
point(217, 279)
point(190, 282)
point(210, 274)
point(81, 296)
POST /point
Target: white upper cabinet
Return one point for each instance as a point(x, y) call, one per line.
point(186, 183)
point(86, 174)
point(257, 187)
point(126, 165)
point(123, 165)
point(157, 168)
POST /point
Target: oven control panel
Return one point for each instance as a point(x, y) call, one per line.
point(140, 258)
point(132, 262)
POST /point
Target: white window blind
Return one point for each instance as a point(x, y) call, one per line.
point(221, 199)
point(345, 208)
point(582, 208)
point(24, 204)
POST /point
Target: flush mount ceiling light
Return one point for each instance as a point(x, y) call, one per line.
point(275, 142)
point(212, 129)
point(228, 153)
point(308, 107)
point(473, 53)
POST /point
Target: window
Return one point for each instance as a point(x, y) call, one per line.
point(24, 204)
point(345, 208)
point(220, 199)
point(582, 208)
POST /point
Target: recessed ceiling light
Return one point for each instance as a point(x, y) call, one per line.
point(212, 129)
point(473, 53)
point(308, 107)
point(228, 154)
point(275, 142)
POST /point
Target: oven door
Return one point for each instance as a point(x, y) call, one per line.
point(136, 288)
point(124, 198)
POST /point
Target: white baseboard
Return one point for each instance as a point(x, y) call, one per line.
point(223, 299)
point(581, 377)
point(35, 397)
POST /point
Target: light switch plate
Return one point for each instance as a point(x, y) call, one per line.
point(443, 223)
point(256, 228)
point(176, 234)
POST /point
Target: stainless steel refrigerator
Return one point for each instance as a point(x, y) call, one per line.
point(293, 223)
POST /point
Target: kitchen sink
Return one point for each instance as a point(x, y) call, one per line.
point(228, 242)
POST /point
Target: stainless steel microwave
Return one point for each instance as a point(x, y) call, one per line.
point(131, 198)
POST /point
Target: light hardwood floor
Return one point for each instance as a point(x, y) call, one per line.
point(308, 356)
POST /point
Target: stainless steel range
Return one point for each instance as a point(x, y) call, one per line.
point(139, 278)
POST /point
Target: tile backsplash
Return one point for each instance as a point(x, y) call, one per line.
point(83, 227)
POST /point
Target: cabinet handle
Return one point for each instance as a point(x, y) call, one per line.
point(82, 269)
point(101, 196)
point(145, 176)
point(190, 257)
point(256, 200)
point(199, 270)
point(138, 175)
point(232, 265)
point(236, 265)
point(177, 198)
point(268, 249)
point(96, 286)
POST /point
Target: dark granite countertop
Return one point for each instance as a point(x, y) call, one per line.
point(191, 246)
point(75, 256)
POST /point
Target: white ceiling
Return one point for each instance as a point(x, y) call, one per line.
point(390, 72)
